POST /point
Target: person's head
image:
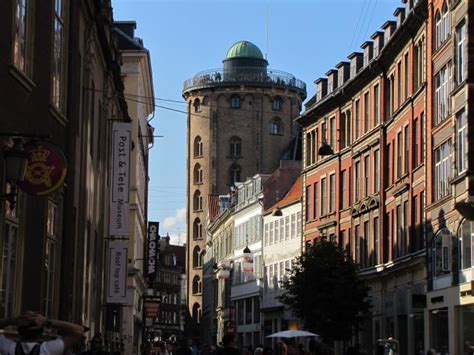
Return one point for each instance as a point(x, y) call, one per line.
point(229, 341)
point(29, 331)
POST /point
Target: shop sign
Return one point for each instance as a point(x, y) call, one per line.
point(120, 205)
point(152, 249)
point(117, 271)
point(224, 270)
point(248, 263)
point(152, 310)
point(46, 169)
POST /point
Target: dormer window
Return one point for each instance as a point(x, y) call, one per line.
point(235, 102)
point(276, 104)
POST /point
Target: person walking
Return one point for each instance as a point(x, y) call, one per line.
point(30, 326)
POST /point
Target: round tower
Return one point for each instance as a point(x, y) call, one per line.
point(240, 123)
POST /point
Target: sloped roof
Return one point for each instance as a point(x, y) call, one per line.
point(293, 195)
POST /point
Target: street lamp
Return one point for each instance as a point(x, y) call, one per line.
point(325, 149)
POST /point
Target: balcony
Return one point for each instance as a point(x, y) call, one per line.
point(245, 76)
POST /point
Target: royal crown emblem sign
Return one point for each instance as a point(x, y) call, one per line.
point(46, 169)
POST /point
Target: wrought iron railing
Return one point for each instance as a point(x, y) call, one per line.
point(255, 76)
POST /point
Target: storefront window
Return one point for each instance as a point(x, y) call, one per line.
point(440, 330)
point(441, 249)
point(466, 325)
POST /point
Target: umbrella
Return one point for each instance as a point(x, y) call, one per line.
point(292, 334)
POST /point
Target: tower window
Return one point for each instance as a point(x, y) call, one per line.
point(197, 105)
point(276, 126)
point(197, 257)
point(197, 229)
point(276, 104)
point(197, 285)
point(235, 147)
point(197, 201)
point(235, 172)
point(197, 174)
point(197, 147)
point(235, 102)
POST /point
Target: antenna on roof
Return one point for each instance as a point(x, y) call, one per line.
point(266, 32)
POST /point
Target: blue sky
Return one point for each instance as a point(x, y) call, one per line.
point(305, 38)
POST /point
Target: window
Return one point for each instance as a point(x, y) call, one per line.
point(196, 257)
point(266, 234)
point(365, 247)
point(308, 149)
point(287, 227)
point(441, 253)
point(58, 92)
point(323, 197)
point(416, 146)
point(9, 266)
point(391, 95)
point(343, 189)
point(446, 29)
point(197, 229)
point(276, 127)
point(315, 200)
point(235, 102)
point(332, 136)
point(293, 225)
point(418, 65)
point(376, 171)
point(197, 313)
point(407, 73)
point(399, 239)
point(376, 105)
point(366, 111)
point(442, 174)
point(460, 53)
point(461, 141)
point(407, 148)
point(399, 83)
point(324, 132)
point(308, 202)
point(366, 175)
point(342, 132)
point(357, 244)
point(375, 258)
point(465, 237)
point(442, 90)
point(197, 174)
point(332, 193)
point(348, 128)
point(197, 201)
point(438, 29)
point(406, 237)
point(314, 139)
point(357, 181)
point(197, 285)
point(197, 147)
point(235, 147)
point(235, 174)
point(357, 119)
point(197, 105)
point(50, 259)
point(276, 104)
point(399, 154)
point(298, 224)
point(22, 36)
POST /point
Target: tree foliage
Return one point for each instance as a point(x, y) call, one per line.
point(324, 290)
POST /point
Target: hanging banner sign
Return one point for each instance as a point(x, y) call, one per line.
point(248, 262)
point(224, 270)
point(117, 272)
point(152, 310)
point(46, 169)
point(120, 206)
point(152, 249)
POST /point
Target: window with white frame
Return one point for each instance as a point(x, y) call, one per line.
point(442, 174)
point(332, 193)
point(461, 141)
point(446, 26)
point(460, 52)
point(438, 29)
point(293, 225)
point(324, 197)
point(442, 91)
point(441, 253)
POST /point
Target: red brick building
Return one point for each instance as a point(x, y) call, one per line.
point(369, 195)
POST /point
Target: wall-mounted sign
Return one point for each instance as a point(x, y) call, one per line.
point(120, 206)
point(46, 169)
point(117, 271)
point(247, 264)
point(152, 310)
point(224, 270)
point(152, 249)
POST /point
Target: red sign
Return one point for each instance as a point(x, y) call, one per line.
point(152, 310)
point(46, 169)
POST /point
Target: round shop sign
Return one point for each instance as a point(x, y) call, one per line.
point(46, 169)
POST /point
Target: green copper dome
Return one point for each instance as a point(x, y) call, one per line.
point(244, 49)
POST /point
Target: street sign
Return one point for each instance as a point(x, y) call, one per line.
point(117, 271)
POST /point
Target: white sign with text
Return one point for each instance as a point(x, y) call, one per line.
point(117, 271)
point(120, 205)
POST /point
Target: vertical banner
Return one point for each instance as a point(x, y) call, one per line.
point(224, 270)
point(248, 262)
point(120, 206)
point(152, 250)
point(117, 271)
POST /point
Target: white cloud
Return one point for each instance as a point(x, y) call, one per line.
point(179, 217)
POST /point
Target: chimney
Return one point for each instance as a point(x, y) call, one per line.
point(343, 73)
point(332, 80)
point(400, 15)
point(356, 62)
point(378, 42)
point(127, 27)
point(321, 88)
point(389, 27)
point(368, 47)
